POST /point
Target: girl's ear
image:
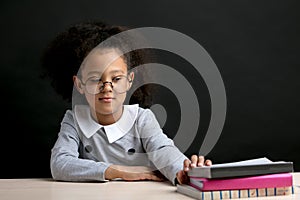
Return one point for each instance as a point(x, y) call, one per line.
point(131, 77)
point(78, 84)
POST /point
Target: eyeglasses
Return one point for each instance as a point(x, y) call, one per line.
point(120, 84)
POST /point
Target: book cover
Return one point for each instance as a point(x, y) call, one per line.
point(250, 182)
point(252, 167)
point(233, 194)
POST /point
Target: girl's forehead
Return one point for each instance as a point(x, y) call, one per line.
point(100, 62)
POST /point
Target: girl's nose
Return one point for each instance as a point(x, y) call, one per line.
point(103, 88)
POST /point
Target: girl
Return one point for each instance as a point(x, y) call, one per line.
point(102, 139)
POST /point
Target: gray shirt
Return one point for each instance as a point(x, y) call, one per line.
point(85, 149)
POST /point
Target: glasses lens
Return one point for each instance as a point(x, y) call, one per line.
point(120, 84)
point(93, 86)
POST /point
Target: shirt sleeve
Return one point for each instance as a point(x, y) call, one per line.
point(65, 163)
point(161, 150)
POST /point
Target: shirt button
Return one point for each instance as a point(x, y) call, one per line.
point(131, 151)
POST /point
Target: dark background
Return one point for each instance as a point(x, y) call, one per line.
point(255, 45)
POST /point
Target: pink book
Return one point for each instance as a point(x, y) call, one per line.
point(250, 182)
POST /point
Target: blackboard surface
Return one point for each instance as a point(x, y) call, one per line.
point(255, 45)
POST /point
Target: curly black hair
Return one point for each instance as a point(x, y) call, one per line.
point(62, 58)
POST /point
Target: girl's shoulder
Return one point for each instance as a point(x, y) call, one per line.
point(69, 113)
point(146, 116)
point(144, 113)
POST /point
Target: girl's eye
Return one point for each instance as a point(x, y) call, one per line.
point(94, 80)
point(116, 79)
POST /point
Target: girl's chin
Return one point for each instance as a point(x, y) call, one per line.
point(105, 112)
point(108, 111)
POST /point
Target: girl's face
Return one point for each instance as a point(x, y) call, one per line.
point(104, 82)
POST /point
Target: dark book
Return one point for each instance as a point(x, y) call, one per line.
point(252, 167)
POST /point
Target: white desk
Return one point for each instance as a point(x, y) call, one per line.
point(47, 189)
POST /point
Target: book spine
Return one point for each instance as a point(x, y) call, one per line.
point(246, 193)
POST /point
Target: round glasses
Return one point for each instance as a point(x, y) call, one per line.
point(120, 84)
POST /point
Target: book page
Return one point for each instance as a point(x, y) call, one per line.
point(263, 160)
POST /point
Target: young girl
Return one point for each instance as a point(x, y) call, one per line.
point(103, 139)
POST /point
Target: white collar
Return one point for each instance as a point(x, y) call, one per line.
point(113, 131)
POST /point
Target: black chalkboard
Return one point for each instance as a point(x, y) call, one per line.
point(255, 45)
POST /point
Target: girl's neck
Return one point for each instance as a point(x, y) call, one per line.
point(107, 119)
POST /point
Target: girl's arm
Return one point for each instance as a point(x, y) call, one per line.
point(65, 163)
point(131, 173)
point(160, 149)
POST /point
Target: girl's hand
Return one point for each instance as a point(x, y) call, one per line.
point(132, 173)
point(196, 161)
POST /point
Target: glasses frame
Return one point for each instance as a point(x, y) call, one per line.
point(105, 82)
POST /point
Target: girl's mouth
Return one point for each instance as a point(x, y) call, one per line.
point(106, 99)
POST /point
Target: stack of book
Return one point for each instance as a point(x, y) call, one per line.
point(244, 179)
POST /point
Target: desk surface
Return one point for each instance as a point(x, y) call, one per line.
point(47, 189)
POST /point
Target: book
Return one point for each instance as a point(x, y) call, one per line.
point(252, 167)
point(233, 194)
point(249, 182)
